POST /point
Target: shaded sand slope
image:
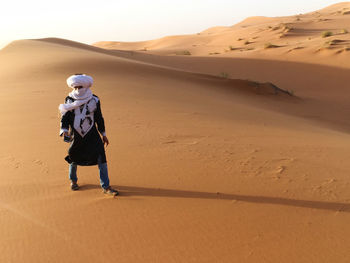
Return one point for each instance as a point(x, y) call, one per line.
point(208, 171)
point(322, 88)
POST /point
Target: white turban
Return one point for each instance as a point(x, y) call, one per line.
point(80, 80)
point(80, 96)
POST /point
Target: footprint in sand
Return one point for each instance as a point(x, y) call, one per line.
point(10, 161)
point(38, 162)
point(182, 139)
point(45, 168)
point(275, 168)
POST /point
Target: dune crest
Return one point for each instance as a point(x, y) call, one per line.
point(301, 38)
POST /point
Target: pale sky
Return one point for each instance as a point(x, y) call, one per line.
point(133, 20)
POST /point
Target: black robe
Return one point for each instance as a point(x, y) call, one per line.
point(86, 146)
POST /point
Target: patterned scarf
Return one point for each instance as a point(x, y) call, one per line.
point(81, 96)
point(80, 99)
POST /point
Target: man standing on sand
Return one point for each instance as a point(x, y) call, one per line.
point(80, 112)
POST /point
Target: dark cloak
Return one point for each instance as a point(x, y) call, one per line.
point(85, 150)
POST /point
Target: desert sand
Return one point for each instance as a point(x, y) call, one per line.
point(213, 164)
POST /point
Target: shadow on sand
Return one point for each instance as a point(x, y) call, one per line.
point(157, 192)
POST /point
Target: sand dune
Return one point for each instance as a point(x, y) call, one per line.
point(299, 38)
point(211, 167)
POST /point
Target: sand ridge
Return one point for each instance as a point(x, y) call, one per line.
point(316, 37)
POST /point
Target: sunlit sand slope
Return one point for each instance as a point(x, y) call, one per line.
point(210, 169)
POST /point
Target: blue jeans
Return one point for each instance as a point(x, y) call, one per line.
point(102, 167)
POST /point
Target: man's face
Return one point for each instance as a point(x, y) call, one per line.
point(79, 90)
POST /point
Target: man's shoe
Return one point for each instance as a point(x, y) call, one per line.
point(74, 186)
point(110, 191)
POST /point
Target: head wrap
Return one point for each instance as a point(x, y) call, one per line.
point(80, 80)
point(81, 96)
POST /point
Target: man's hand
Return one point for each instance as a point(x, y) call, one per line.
point(105, 140)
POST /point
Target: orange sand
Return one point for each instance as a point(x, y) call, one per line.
point(210, 169)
